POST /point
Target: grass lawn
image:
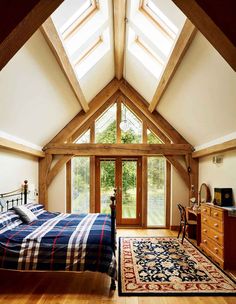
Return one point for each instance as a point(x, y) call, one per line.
point(156, 205)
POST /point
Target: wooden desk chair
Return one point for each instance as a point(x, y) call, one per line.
point(184, 223)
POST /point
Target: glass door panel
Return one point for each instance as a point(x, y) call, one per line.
point(129, 189)
point(156, 204)
point(80, 184)
point(107, 184)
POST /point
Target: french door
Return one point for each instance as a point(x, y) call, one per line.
point(124, 174)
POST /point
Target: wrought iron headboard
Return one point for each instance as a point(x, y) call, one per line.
point(14, 198)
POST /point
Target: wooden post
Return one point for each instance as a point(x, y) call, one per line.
point(25, 191)
point(113, 231)
point(44, 167)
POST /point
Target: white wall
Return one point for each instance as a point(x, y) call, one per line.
point(220, 175)
point(57, 193)
point(15, 168)
point(179, 195)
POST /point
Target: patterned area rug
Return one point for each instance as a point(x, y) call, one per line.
point(163, 266)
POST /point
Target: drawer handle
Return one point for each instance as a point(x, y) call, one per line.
point(204, 210)
point(216, 225)
point(215, 213)
point(204, 219)
point(216, 249)
point(216, 237)
point(205, 241)
point(204, 230)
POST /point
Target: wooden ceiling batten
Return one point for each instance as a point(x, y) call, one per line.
point(218, 148)
point(51, 35)
point(182, 44)
point(119, 24)
point(18, 21)
point(82, 117)
point(205, 24)
point(15, 146)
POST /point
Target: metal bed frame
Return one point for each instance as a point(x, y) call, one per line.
point(19, 197)
point(14, 198)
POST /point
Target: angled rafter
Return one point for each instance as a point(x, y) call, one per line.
point(119, 13)
point(154, 117)
point(57, 168)
point(82, 117)
point(15, 146)
point(119, 149)
point(205, 24)
point(51, 35)
point(182, 171)
point(18, 21)
point(182, 44)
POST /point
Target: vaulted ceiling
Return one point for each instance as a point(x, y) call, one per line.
point(93, 42)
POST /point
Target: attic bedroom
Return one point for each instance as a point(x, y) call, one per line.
point(117, 151)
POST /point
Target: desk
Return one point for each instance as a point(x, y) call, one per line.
point(196, 216)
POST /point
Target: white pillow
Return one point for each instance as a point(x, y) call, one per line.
point(25, 214)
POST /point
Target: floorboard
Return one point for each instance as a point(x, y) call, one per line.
point(85, 288)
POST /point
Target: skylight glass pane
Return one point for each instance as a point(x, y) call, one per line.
point(105, 127)
point(162, 16)
point(82, 10)
point(152, 138)
point(84, 138)
point(134, 133)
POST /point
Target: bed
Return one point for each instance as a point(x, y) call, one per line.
point(56, 241)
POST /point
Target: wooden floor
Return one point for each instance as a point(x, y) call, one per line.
point(86, 288)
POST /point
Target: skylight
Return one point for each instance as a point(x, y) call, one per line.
point(161, 20)
point(84, 29)
point(146, 57)
point(85, 11)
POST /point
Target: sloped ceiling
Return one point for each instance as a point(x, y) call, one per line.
point(200, 101)
point(37, 101)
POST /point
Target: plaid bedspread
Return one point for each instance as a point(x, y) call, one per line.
point(67, 242)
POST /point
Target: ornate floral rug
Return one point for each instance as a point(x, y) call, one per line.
point(163, 266)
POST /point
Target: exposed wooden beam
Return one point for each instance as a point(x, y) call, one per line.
point(119, 14)
point(82, 117)
point(57, 168)
point(226, 146)
point(14, 146)
point(18, 21)
point(209, 29)
point(154, 117)
point(51, 35)
point(182, 44)
point(119, 149)
point(44, 167)
point(181, 170)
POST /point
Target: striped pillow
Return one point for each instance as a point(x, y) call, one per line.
point(9, 220)
point(25, 214)
point(36, 208)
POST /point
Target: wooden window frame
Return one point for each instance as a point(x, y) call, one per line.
point(148, 50)
point(84, 17)
point(91, 48)
point(143, 182)
point(145, 9)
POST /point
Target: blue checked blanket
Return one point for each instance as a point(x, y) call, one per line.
point(68, 242)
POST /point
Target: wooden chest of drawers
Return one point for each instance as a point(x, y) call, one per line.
point(218, 235)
